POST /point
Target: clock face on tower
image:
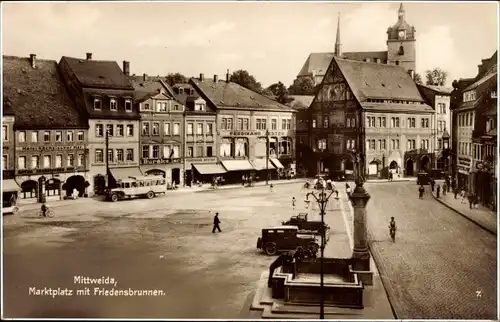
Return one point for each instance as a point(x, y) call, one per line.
point(401, 34)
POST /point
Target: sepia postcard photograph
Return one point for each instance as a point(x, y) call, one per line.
point(248, 160)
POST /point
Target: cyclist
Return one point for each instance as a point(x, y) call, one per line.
point(392, 229)
point(45, 209)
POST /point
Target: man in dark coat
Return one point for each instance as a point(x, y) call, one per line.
point(421, 191)
point(216, 223)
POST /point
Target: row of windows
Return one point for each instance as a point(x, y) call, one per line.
point(110, 129)
point(161, 107)
point(411, 144)
point(243, 123)
point(466, 119)
point(153, 152)
point(465, 148)
point(35, 136)
point(469, 96)
point(350, 122)
point(48, 162)
point(372, 121)
point(199, 129)
point(113, 104)
point(112, 156)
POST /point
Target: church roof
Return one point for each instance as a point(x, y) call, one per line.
point(319, 62)
point(381, 81)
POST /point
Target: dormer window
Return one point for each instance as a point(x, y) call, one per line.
point(181, 90)
point(113, 105)
point(199, 107)
point(146, 107)
point(191, 92)
point(128, 105)
point(97, 104)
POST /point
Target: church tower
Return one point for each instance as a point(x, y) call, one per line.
point(338, 45)
point(401, 43)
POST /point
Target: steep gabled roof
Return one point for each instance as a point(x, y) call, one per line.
point(228, 94)
point(98, 73)
point(300, 102)
point(38, 96)
point(145, 89)
point(319, 62)
point(489, 76)
point(438, 89)
point(378, 81)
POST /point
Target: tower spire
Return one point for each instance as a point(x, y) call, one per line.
point(401, 12)
point(338, 45)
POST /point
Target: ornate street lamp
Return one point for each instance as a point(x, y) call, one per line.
point(322, 200)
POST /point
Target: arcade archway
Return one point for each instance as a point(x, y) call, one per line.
point(409, 167)
point(425, 163)
point(75, 182)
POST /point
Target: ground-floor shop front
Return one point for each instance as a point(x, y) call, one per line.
point(172, 172)
point(50, 187)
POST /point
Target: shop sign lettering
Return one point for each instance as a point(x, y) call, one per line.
point(51, 148)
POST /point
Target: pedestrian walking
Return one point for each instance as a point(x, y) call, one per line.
point(438, 190)
point(462, 195)
point(348, 190)
point(445, 188)
point(216, 223)
point(271, 187)
point(432, 184)
point(392, 229)
point(455, 192)
point(421, 191)
point(471, 201)
point(293, 203)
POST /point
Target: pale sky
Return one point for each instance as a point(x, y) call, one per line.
point(269, 39)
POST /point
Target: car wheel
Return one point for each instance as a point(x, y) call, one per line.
point(15, 210)
point(114, 197)
point(313, 247)
point(150, 195)
point(270, 249)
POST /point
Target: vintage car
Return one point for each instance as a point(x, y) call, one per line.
point(423, 178)
point(10, 209)
point(305, 225)
point(284, 238)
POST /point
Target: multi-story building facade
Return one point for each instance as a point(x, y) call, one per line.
point(51, 152)
point(401, 50)
point(248, 123)
point(301, 104)
point(10, 188)
point(475, 112)
point(103, 93)
point(162, 129)
point(200, 157)
point(439, 98)
point(372, 109)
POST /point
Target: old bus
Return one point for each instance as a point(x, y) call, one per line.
point(143, 186)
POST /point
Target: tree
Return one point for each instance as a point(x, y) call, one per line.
point(246, 80)
point(279, 90)
point(302, 86)
point(437, 76)
point(418, 79)
point(175, 78)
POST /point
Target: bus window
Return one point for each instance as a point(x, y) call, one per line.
point(141, 183)
point(134, 185)
point(148, 183)
point(163, 182)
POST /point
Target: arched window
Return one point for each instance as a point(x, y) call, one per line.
point(28, 189)
point(225, 147)
point(401, 50)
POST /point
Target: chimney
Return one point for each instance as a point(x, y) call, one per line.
point(216, 78)
point(126, 68)
point(89, 56)
point(227, 76)
point(144, 77)
point(367, 60)
point(33, 60)
point(202, 77)
point(378, 60)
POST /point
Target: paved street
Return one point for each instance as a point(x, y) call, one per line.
point(440, 259)
point(164, 244)
point(434, 269)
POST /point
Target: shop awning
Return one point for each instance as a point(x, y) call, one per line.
point(10, 185)
point(124, 173)
point(237, 165)
point(260, 164)
point(277, 163)
point(209, 168)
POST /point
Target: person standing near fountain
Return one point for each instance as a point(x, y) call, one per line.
point(392, 229)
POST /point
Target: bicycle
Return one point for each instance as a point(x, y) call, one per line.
point(48, 213)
